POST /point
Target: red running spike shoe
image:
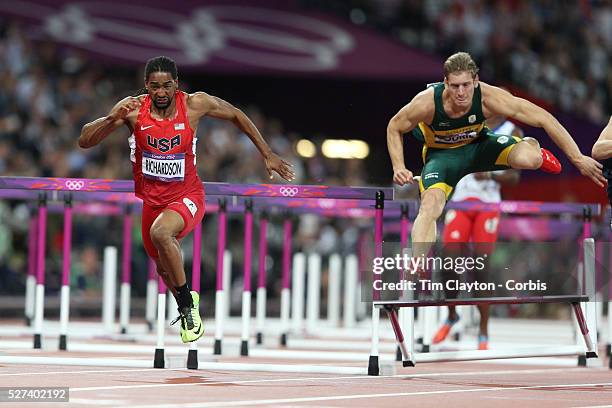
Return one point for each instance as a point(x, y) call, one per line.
point(550, 164)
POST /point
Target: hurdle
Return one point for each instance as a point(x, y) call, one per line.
point(192, 355)
point(31, 276)
point(126, 271)
point(407, 347)
point(115, 188)
point(65, 290)
point(333, 291)
point(286, 280)
point(220, 295)
point(40, 270)
point(261, 277)
point(151, 294)
point(116, 210)
point(246, 294)
point(275, 189)
point(159, 356)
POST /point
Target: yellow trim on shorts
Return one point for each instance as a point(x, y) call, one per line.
point(502, 159)
point(441, 185)
point(424, 153)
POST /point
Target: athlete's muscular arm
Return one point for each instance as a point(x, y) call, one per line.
point(498, 101)
point(203, 104)
point(122, 113)
point(420, 109)
point(603, 147)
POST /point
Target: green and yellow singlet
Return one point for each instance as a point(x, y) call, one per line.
point(448, 133)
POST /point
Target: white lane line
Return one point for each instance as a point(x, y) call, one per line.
point(595, 406)
point(92, 371)
point(360, 377)
point(115, 403)
point(360, 396)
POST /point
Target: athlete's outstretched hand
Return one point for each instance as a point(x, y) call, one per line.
point(282, 167)
point(592, 169)
point(402, 177)
point(123, 109)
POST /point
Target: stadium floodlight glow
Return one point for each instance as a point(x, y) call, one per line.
point(345, 149)
point(305, 148)
point(359, 149)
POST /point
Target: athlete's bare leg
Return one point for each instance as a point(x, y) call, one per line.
point(484, 320)
point(423, 233)
point(163, 232)
point(166, 277)
point(452, 313)
point(526, 155)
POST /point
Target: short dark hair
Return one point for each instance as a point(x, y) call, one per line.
point(161, 64)
point(460, 62)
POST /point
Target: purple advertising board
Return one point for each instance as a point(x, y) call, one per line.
point(230, 37)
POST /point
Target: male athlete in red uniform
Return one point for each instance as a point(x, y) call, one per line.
point(163, 123)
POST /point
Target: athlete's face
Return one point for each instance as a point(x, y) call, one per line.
point(161, 88)
point(460, 87)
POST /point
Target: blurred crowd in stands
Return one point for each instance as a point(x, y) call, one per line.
point(559, 51)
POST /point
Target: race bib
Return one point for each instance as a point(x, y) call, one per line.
point(456, 138)
point(164, 167)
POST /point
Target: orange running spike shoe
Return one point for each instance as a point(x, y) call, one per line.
point(444, 330)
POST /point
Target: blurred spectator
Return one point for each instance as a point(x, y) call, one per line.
point(86, 273)
point(557, 50)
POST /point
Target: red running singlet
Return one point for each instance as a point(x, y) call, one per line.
point(163, 155)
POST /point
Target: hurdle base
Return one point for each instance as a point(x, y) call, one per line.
point(192, 359)
point(582, 361)
point(591, 354)
point(609, 350)
point(260, 338)
point(408, 363)
point(123, 330)
point(425, 348)
point(28, 322)
point(217, 347)
point(283, 340)
point(373, 368)
point(398, 354)
point(37, 341)
point(158, 360)
point(419, 340)
point(610, 363)
point(244, 348)
point(457, 336)
point(63, 342)
point(149, 326)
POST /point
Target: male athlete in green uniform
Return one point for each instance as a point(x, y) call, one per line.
point(449, 118)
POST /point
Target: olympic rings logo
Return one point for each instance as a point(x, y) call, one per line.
point(74, 184)
point(288, 191)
